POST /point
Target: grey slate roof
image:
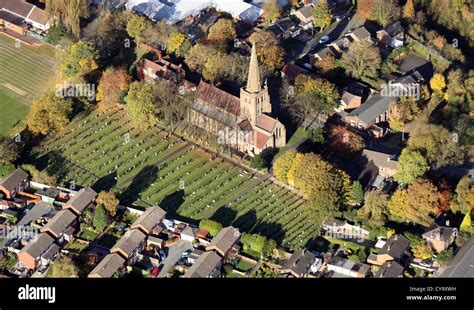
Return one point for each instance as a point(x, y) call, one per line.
point(129, 242)
point(379, 159)
point(148, 220)
point(299, 262)
point(60, 222)
point(437, 232)
point(395, 246)
point(108, 266)
point(14, 178)
point(225, 239)
point(39, 246)
point(82, 199)
point(220, 116)
point(53, 250)
point(204, 266)
point(390, 269)
point(372, 108)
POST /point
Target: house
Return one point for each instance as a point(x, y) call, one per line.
point(188, 234)
point(223, 242)
point(440, 237)
point(30, 255)
point(108, 266)
point(149, 219)
point(349, 101)
point(208, 265)
point(386, 163)
point(60, 223)
point(298, 265)
point(80, 201)
point(162, 68)
point(24, 14)
point(284, 29)
point(305, 16)
point(291, 71)
point(17, 181)
point(341, 229)
point(395, 249)
point(242, 123)
point(343, 267)
point(132, 243)
point(359, 35)
point(194, 256)
point(392, 36)
point(390, 269)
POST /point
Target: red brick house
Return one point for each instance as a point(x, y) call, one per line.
point(15, 182)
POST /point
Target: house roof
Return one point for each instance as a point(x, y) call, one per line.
point(299, 262)
point(260, 139)
point(13, 179)
point(188, 231)
point(334, 222)
point(379, 159)
point(148, 220)
point(225, 239)
point(82, 199)
point(39, 246)
point(60, 222)
point(11, 18)
point(306, 11)
point(53, 250)
point(291, 71)
point(266, 122)
point(395, 246)
point(440, 233)
point(214, 113)
point(390, 269)
point(108, 266)
point(204, 266)
point(212, 95)
point(361, 33)
point(39, 16)
point(348, 265)
point(19, 7)
point(394, 29)
point(129, 242)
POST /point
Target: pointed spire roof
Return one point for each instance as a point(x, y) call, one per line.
point(253, 82)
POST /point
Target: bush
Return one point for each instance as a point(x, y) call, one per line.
point(258, 162)
point(446, 256)
point(100, 218)
point(315, 135)
point(212, 226)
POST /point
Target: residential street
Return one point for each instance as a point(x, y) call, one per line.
point(462, 265)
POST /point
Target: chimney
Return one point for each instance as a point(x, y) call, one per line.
point(447, 223)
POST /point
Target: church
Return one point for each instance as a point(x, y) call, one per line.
point(243, 123)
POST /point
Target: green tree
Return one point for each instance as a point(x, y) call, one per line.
point(269, 50)
point(223, 31)
point(422, 251)
point(315, 135)
point(109, 200)
point(100, 218)
point(361, 60)
point(141, 105)
point(463, 201)
point(409, 10)
point(68, 13)
point(79, 59)
point(40, 176)
point(374, 213)
point(410, 166)
point(383, 12)
point(466, 225)
point(136, 26)
point(446, 256)
point(177, 43)
point(357, 193)
point(48, 114)
point(282, 165)
point(113, 85)
point(254, 242)
point(258, 162)
point(322, 15)
point(271, 11)
point(212, 227)
point(9, 152)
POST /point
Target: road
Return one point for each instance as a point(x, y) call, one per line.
point(462, 265)
point(174, 255)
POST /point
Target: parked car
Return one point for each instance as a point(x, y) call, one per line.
point(154, 273)
point(323, 40)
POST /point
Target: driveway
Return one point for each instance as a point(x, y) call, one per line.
point(462, 265)
point(174, 255)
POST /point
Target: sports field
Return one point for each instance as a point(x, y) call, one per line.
point(103, 150)
point(25, 74)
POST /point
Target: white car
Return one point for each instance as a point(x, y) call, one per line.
point(323, 40)
point(338, 18)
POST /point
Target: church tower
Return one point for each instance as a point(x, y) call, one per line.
point(254, 99)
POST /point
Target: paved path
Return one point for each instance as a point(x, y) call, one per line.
point(462, 265)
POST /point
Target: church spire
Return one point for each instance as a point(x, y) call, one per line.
point(253, 82)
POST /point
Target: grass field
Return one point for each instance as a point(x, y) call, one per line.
point(103, 150)
point(25, 73)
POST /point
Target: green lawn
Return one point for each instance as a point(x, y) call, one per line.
point(103, 150)
point(6, 170)
point(88, 235)
point(25, 73)
point(244, 266)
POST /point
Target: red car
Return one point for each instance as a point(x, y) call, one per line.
point(154, 272)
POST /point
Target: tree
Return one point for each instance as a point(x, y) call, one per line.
point(100, 218)
point(253, 242)
point(422, 251)
point(109, 200)
point(9, 152)
point(445, 196)
point(322, 15)
point(177, 43)
point(315, 135)
point(271, 11)
point(141, 105)
point(357, 193)
point(40, 176)
point(410, 166)
point(312, 95)
point(136, 25)
point(64, 267)
point(48, 114)
point(68, 13)
point(361, 60)
point(212, 227)
point(446, 256)
point(79, 59)
point(403, 112)
point(222, 31)
point(258, 162)
point(383, 12)
point(374, 213)
point(464, 201)
point(282, 165)
point(270, 246)
point(409, 10)
point(326, 65)
point(113, 85)
point(344, 142)
point(268, 49)
point(438, 83)
point(439, 146)
point(466, 225)
point(416, 204)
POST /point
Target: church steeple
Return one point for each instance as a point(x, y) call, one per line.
point(253, 82)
